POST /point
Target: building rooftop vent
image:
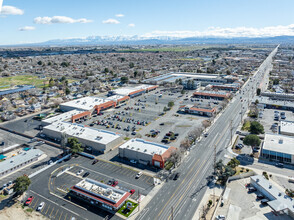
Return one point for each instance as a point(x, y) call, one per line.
point(270, 186)
point(280, 141)
point(257, 180)
point(280, 193)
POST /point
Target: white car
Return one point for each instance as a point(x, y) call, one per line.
point(220, 217)
point(40, 206)
point(79, 172)
point(139, 175)
point(133, 161)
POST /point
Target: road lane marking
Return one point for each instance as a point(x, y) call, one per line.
point(176, 190)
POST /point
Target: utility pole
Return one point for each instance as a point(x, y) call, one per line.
point(231, 127)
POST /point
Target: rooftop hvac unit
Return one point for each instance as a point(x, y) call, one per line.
point(127, 146)
point(280, 141)
point(257, 180)
point(270, 186)
point(280, 193)
point(138, 148)
point(145, 150)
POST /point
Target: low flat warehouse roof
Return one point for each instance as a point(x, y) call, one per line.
point(62, 117)
point(86, 103)
point(145, 147)
point(287, 127)
point(86, 133)
point(19, 159)
point(279, 143)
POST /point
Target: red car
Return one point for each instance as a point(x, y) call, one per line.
point(132, 191)
point(114, 183)
point(29, 200)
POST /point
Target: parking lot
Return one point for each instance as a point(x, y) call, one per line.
point(10, 139)
point(239, 204)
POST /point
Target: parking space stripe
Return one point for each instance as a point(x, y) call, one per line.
point(56, 213)
point(60, 215)
point(65, 215)
point(51, 212)
point(47, 209)
point(33, 206)
point(43, 209)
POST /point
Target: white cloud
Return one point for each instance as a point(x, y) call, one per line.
point(131, 25)
point(27, 28)
point(60, 20)
point(229, 32)
point(110, 21)
point(10, 10)
point(119, 15)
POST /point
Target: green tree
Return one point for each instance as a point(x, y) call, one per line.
point(183, 92)
point(21, 184)
point(131, 65)
point(51, 82)
point(67, 91)
point(252, 140)
point(258, 91)
point(276, 81)
point(124, 79)
point(74, 145)
point(170, 104)
point(234, 163)
point(40, 63)
point(63, 78)
point(256, 128)
point(64, 64)
point(135, 74)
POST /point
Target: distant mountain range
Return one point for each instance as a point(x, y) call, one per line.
point(137, 40)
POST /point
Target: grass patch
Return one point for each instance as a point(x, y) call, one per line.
point(184, 126)
point(168, 165)
point(134, 205)
point(126, 138)
point(240, 170)
point(246, 126)
point(29, 210)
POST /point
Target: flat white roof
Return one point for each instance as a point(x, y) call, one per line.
point(86, 103)
point(86, 133)
point(101, 190)
point(114, 98)
point(279, 143)
point(287, 127)
point(145, 147)
point(281, 201)
point(19, 159)
point(62, 117)
point(199, 76)
point(124, 91)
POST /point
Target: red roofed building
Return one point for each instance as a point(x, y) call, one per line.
point(205, 111)
point(99, 194)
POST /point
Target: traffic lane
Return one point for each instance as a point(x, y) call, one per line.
point(51, 209)
point(126, 181)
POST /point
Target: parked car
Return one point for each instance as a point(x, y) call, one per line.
point(206, 135)
point(161, 124)
point(40, 206)
point(264, 201)
point(280, 165)
point(139, 175)
point(86, 174)
point(220, 217)
point(251, 189)
point(259, 196)
point(94, 161)
point(29, 200)
point(132, 191)
point(79, 172)
point(114, 183)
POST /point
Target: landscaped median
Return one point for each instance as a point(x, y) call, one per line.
point(127, 208)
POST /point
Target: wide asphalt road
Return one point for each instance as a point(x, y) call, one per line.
point(179, 199)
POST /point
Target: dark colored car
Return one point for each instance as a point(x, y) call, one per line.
point(29, 200)
point(86, 174)
point(94, 161)
point(176, 176)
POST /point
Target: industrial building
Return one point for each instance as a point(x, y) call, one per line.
point(146, 152)
point(133, 91)
point(227, 87)
point(17, 162)
point(202, 78)
point(198, 110)
point(211, 95)
point(279, 201)
point(278, 96)
point(278, 148)
point(100, 141)
point(99, 194)
point(67, 116)
point(287, 128)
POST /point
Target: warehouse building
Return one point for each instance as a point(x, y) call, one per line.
point(100, 141)
point(211, 95)
point(17, 162)
point(133, 91)
point(83, 104)
point(67, 116)
point(278, 148)
point(279, 201)
point(146, 152)
point(267, 102)
point(99, 194)
point(287, 128)
point(227, 87)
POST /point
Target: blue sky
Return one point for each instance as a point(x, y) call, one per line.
point(24, 21)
